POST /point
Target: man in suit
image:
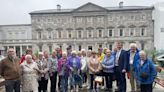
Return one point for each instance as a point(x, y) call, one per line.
point(120, 67)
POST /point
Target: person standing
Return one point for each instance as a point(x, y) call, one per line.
point(133, 57)
point(94, 68)
point(84, 68)
point(75, 66)
point(43, 66)
point(108, 69)
point(53, 64)
point(145, 72)
point(63, 71)
point(10, 71)
point(121, 67)
point(29, 75)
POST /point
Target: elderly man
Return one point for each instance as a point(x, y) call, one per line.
point(10, 71)
point(133, 56)
point(145, 72)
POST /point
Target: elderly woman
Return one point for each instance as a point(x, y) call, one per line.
point(74, 65)
point(53, 64)
point(108, 69)
point(94, 67)
point(145, 72)
point(43, 66)
point(29, 72)
point(63, 72)
point(84, 68)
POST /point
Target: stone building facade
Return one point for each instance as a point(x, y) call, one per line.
point(16, 36)
point(91, 26)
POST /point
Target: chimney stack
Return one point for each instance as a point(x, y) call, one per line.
point(58, 7)
point(121, 4)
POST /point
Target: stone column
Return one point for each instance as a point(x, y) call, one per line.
point(20, 50)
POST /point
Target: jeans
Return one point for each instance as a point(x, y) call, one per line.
point(53, 80)
point(43, 84)
point(12, 85)
point(64, 83)
point(146, 88)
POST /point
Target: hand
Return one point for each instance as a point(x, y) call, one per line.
point(123, 71)
point(128, 75)
point(71, 69)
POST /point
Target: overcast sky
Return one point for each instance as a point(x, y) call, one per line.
point(17, 11)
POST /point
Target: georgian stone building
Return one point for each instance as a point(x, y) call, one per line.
point(91, 26)
point(16, 36)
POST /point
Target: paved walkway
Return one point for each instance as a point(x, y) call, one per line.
point(157, 88)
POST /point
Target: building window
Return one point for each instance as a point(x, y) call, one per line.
point(69, 34)
point(110, 18)
point(49, 34)
point(89, 19)
point(79, 34)
point(59, 34)
point(121, 32)
point(100, 46)
point(131, 31)
point(100, 19)
point(40, 48)
point(39, 35)
point(79, 47)
point(143, 17)
point(110, 47)
point(142, 31)
point(110, 32)
point(89, 33)
point(142, 46)
point(99, 33)
point(90, 48)
point(79, 19)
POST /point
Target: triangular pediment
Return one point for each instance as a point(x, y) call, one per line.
point(89, 7)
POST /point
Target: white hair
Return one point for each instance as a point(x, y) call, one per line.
point(28, 55)
point(133, 45)
point(83, 50)
point(142, 52)
point(64, 53)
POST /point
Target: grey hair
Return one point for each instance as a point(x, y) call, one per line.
point(28, 55)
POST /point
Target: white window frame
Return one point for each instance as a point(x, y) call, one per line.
point(109, 32)
point(58, 34)
point(78, 33)
point(68, 33)
point(144, 31)
point(134, 31)
point(101, 33)
point(88, 33)
point(122, 32)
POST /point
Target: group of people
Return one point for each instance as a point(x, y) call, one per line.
point(79, 69)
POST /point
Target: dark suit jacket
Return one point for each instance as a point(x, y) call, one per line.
point(122, 61)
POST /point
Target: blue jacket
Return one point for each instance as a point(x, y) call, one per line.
point(108, 65)
point(148, 68)
point(136, 58)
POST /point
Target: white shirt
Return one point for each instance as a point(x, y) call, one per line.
point(142, 62)
point(117, 57)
